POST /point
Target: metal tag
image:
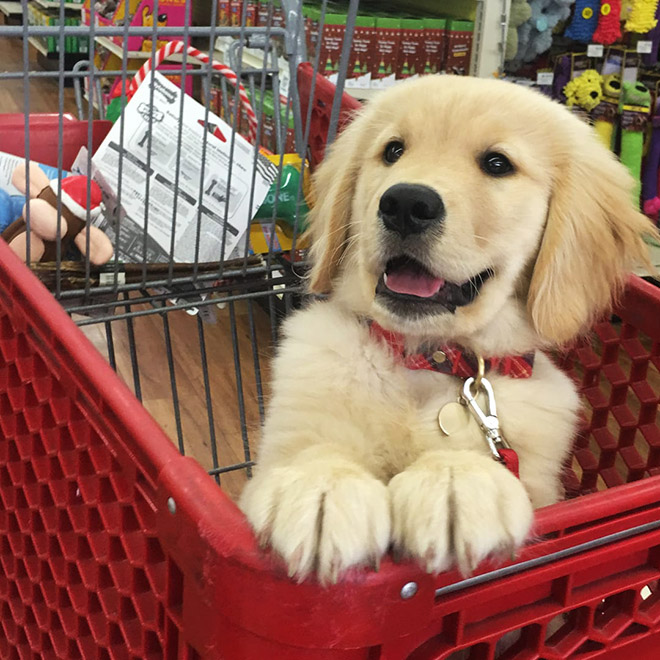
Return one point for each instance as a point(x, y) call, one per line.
point(453, 417)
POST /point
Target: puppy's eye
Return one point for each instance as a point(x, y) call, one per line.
point(393, 151)
point(496, 164)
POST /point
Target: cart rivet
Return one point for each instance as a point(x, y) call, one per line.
point(408, 590)
point(171, 505)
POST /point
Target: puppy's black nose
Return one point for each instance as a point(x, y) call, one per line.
point(408, 208)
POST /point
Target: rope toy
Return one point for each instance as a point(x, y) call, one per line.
point(585, 91)
point(650, 173)
point(634, 107)
point(642, 16)
point(609, 25)
point(606, 112)
point(585, 21)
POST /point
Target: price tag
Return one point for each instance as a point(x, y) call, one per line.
point(644, 46)
point(545, 78)
point(595, 50)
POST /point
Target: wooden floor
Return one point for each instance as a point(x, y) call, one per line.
point(43, 92)
point(197, 435)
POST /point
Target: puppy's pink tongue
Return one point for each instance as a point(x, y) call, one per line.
point(413, 283)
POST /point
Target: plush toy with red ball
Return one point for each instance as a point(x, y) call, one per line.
point(43, 218)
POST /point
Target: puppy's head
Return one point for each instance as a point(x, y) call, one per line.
point(451, 200)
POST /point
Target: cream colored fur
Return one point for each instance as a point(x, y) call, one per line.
point(352, 459)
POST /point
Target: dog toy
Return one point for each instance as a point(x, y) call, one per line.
point(11, 204)
point(651, 169)
point(642, 16)
point(651, 204)
point(605, 113)
point(585, 21)
point(520, 13)
point(585, 91)
point(609, 24)
point(634, 108)
point(43, 218)
point(535, 34)
point(650, 59)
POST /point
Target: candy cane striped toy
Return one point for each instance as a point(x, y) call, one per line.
point(174, 47)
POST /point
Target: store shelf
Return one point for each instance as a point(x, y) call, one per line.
point(51, 4)
point(11, 9)
point(491, 21)
point(252, 57)
point(117, 50)
point(40, 46)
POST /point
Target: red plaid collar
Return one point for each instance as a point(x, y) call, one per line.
point(453, 360)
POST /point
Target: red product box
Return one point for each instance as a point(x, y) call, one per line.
point(360, 61)
point(385, 52)
point(434, 45)
point(265, 8)
point(312, 32)
point(223, 12)
point(410, 61)
point(331, 41)
point(459, 47)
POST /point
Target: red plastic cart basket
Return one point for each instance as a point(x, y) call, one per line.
point(112, 545)
point(45, 141)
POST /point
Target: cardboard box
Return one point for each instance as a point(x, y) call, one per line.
point(434, 45)
point(223, 12)
point(331, 41)
point(410, 61)
point(386, 51)
point(236, 12)
point(311, 16)
point(358, 74)
point(264, 9)
point(459, 47)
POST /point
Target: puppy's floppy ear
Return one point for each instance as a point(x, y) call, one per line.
point(593, 237)
point(333, 188)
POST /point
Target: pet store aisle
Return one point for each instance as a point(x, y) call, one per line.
point(43, 92)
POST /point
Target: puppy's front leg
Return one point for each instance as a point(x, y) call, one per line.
point(457, 507)
point(320, 510)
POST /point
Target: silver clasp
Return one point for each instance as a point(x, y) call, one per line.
point(488, 421)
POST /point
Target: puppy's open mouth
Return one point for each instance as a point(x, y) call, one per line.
point(408, 287)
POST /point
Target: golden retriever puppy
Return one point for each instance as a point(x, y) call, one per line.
point(452, 212)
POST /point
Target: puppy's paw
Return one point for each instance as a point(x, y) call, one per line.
point(324, 517)
point(457, 507)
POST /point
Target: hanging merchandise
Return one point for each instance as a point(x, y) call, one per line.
point(651, 58)
point(585, 21)
point(642, 16)
point(535, 35)
point(609, 24)
point(634, 108)
point(651, 200)
point(605, 114)
point(520, 13)
point(585, 91)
